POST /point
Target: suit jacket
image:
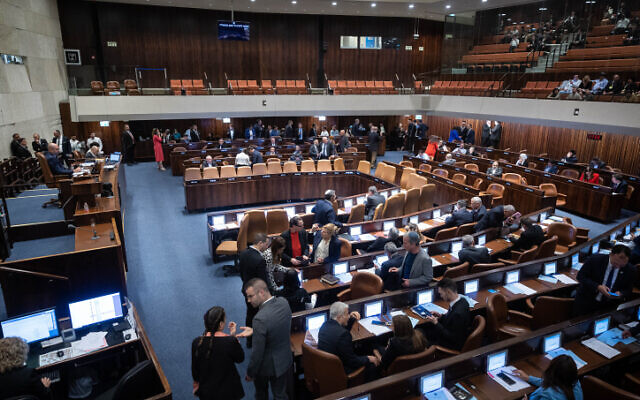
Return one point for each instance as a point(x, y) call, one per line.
point(452, 329)
point(551, 170)
point(529, 238)
point(258, 130)
point(495, 171)
point(371, 204)
point(194, 135)
point(304, 245)
point(591, 275)
point(470, 138)
point(247, 133)
point(486, 135)
point(571, 159)
point(378, 244)
point(324, 213)
point(39, 146)
point(334, 248)
point(374, 139)
point(336, 339)
point(621, 188)
point(330, 149)
point(479, 213)
point(271, 354)
point(314, 151)
point(458, 218)
point(206, 165)
point(422, 129)
point(492, 219)
point(496, 134)
point(55, 165)
point(421, 270)
point(252, 265)
point(65, 144)
point(343, 143)
point(256, 157)
point(126, 140)
point(288, 132)
point(474, 255)
point(19, 151)
point(22, 381)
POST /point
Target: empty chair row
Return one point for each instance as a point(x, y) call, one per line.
point(599, 54)
point(605, 41)
point(470, 88)
point(113, 88)
point(230, 171)
point(607, 65)
point(187, 86)
point(282, 86)
point(362, 87)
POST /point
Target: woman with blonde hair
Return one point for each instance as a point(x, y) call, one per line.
point(16, 379)
point(326, 245)
point(273, 258)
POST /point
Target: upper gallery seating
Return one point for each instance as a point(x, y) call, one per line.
point(187, 86)
point(113, 88)
point(516, 61)
point(361, 87)
point(468, 88)
point(250, 86)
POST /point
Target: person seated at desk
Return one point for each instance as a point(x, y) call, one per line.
point(449, 160)
point(323, 210)
point(297, 155)
point(335, 337)
point(459, 216)
point(273, 258)
point(442, 146)
point(416, 268)
point(392, 236)
point(452, 329)
point(16, 378)
point(472, 152)
point(373, 199)
point(326, 245)
point(314, 150)
point(296, 243)
point(460, 149)
point(596, 163)
point(604, 281)
point(214, 356)
point(551, 168)
point(559, 381)
point(208, 162)
point(21, 150)
point(405, 341)
point(618, 184)
point(39, 144)
point(221, 144)
point(273, 142)
point(532, 235)
point(495, 170)
point(271, 152)
point(54, 162)
point(522, 160)
point(395, 260)
point(94, 152)
point(298, 297)
point(255, 155)
point(570, 157)
point(478, 210)
point(242, 158)
point(471, 254)
point(589, 176)
point(500, 217)
point(411, 227)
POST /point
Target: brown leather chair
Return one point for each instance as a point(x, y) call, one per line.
point(274, 168)
point(455, 272)
point(459, 178)
point(324, 165)
point(416, 181)
point(363, 284)
point(633, 381)
point(549, 189)
point(345, 248)
point(549, 310)
point(472, 167)
point(289, 167)
point(307, 166)
point(496, 190)
point(324, 373)
point(411, 361)
point(259, 169)
point(112, 86)
point(379, 170)
point(210, 173)
point(388, 173)
point(364, 167)
point(566, 235)
point(277, 222)
point(192, 174)
point(52, 181)
point(474, 340)
point(357, 214)
point(394, 206)
point(485, 267)
point(131, 87)
point(425, 167)
point(97, 88)
point(244, 170)
point(570, 173)
point(404, 179)
point(338, 164)
point(441, 172)
point(466, 229)
point(234, 247)
point(406, 163)
point(377, 214)
point(519, 257)
point(412, 201)
point(478, 183)
point(256, 223)
point(273, 160)
point(227, 171)
point(596, 389)
point(513, 178)
point(427, 195)
point(503, 323)
point(444, 234)
point(179, 149)
point(547, 248)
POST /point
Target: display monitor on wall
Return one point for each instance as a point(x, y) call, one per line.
point(233, 30)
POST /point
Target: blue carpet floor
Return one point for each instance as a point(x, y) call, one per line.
point(26, 207)
point(171, 278)
point(42, 247)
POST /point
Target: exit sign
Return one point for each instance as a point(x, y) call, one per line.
point(594, 136)
point(112, 44)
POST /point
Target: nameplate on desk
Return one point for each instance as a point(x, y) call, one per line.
point(528, 189)
point(193, 181)
point(183, 152)
point(570, 180)
point(527, 170)
point(297, 174)
point(508, 183)
point(547, 175)
point(449, 182)
point(561, 163)
point(323, 173)
point(266, 176)
point(337, 172)
point(596, 187)
point(203, 151)
point(489, 178)
point(472, 172)
point(457, 169)
point(248, 178)
point(474, 158)
point(348, 173)
point(466, 188)
point(508, 165)
point(231, 179)
point(631, 178)
point(311, 173)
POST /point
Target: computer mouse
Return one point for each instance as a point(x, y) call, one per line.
point(60, 353)
point(127, 336)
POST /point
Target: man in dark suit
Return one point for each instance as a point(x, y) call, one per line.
point(323, 210)
point(64, 145)
point(327, 148)
point(618, 184)
point(288, 130)
point(55, 165)
point(15, 145)
point(459, 216)
point(193, 134)
point(250, 133)
point(570, 157)
point(335, 337)
point(357, 129)
point(374, 141)
point(271, 358)
point(313, 132)
point(469, 134)
point(478, 210)
point(392, 236)
point(452, 329)
point(256, 156)
point(373, 199)
point(221, 144)
point(259, 128)
point(473, 255)
point(231, 132)
point(551, 168)
point(604, 281)
point(343, 141)
point(485, 138)
point(496, 135)
point(421, 129)
point(498, 217)
point(128, 145)
point(252, 265)
point(531, 236)
point(314, 150)
point(208, 162)
point(296, 243)
point(38, 144)
point(299, 134)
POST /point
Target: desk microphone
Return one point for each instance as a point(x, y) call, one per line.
point(92, 230)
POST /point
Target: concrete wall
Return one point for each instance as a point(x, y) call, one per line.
point(30, 93)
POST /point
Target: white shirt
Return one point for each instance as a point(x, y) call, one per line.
point(454, 302)
point(606, 277)
point(95, 140)
point(242, 159)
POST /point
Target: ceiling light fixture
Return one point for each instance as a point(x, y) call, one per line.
point(294, 2)
point(411, 6)
point(373, 4)
point(452, 15)
point(447, 6)
point(335, 3)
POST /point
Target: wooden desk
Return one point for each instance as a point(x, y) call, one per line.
point(84, 236)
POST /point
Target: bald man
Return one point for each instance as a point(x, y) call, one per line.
point(54, 162)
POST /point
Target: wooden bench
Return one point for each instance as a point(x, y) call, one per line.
point(598, 53)
point(605, 41)
point(613, 65)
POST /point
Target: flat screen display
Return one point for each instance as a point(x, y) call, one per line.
point(425, 297)
point(32, 327)
point(550, 268)
point(382, 259)
point(372, 309)
point(513, 277)
point(388, 225)
point(482, 240)
point(551, 342)
point(340, 268)
point(92, 311)
point(316, 321)
point(600, 326)
point(496, 360)
point(233, 30)
point(429, 383)
point(355, 230)
point(471, 286)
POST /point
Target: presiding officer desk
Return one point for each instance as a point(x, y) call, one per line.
point(567, 264)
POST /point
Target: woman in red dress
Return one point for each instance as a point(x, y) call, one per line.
point(157, 148)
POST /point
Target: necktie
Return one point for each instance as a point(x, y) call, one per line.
point(610, 279)
point(324, 150)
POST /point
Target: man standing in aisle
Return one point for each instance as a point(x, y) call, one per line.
point(128, 145)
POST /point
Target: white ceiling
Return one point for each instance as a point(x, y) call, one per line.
point(426, 9)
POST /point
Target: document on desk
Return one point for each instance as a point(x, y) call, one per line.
point(436, 308)
point(314, 334)
point(547, 278)
point(614, 336)
point(519, 288)
point(414, 321)
point(562, 351)
point(345, 278)
point(371, 270)
point(472, 302)
point(374, 329)
point(366, 237)
point(519, 384)
point(423, 226)
point(91, 342)
point(600, 348)
point(440, 394)
point(565, 279)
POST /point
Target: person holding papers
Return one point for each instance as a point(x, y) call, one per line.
point(416, 268)
point(451, 329)
point(296, 243)
point(531, 236)
point(335, 337)
point(405, 340)
point(559, 382)
point(604, 280)
point(471, 254)
point(326, 245)
point(373, 199)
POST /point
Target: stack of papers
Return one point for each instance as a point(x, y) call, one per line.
point(91, 342)
point(366, 237)
point(561, 350)
point(548, 278)
point(434, 262)
point(614, 336)
point(565, 279)
point(519, 288)
point(472, 302)
point(345, 278)
point(519, 383)
point(600, 348)
point(455, 254)
point(423, 226)
point(374, 329)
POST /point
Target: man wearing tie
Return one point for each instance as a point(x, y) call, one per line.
point(604, 281)
point(326, 148)
point(258, 128)
point(300, 132)
point(208, 162)
point(314, 150)
point(249, 133)
point(64, 145)
point(221, 144)
point(232, 134)
point(619, 185)
point(128, 145)
point(288, 130)
point(193, 134)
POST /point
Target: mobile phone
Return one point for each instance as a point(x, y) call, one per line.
point(492, 291)
point(613, 294)
point(378, 322)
